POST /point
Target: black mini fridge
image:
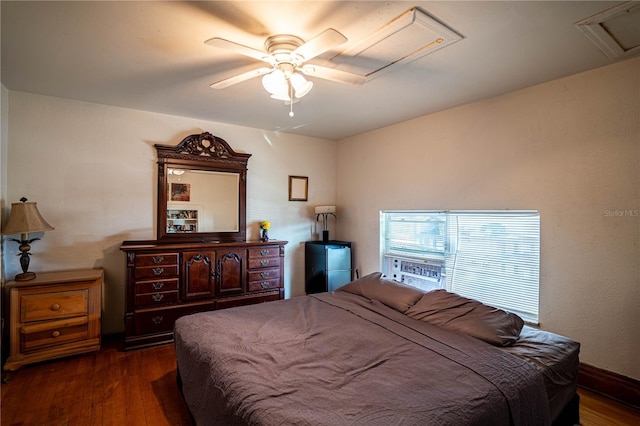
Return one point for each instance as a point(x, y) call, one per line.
point(327, 265)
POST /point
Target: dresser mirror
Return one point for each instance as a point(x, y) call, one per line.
point(202, 186)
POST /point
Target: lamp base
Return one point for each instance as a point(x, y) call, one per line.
point(25, 276)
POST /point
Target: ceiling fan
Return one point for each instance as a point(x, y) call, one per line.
point(287, 56)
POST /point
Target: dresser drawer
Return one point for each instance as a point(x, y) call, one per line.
point(265, 262)
point(264, 274)
point(232, 302)
point(157, 298)
point(50, 306)
point(262, 252)
point(264, 284)
point(159, 320)
point(156, 259)
point(50, 333)
point(156, 271)
point(143, 287)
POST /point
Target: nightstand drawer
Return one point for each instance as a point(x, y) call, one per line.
point(49, 333)
point(48, 306)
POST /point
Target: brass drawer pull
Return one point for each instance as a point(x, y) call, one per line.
point(55, 334)
point(264, 252)
point(264, 274)
point(264, 262)
point(264, 284)
point(158, 285)
point(157, 259)
point(157, 320)
point(55, 307)
point(158, 271)
point(157, 297)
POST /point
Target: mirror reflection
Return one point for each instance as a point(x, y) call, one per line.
point(202, 191)
point(201, 201)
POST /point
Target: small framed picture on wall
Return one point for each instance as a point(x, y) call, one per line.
point(298, 188)
point(180, 192)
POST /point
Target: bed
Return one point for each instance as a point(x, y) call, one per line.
point(374, 352)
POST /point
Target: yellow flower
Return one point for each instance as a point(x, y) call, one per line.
point(265, 224)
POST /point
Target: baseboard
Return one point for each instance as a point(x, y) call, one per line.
point(611, 385)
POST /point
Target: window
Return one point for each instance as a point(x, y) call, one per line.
point(491, 256)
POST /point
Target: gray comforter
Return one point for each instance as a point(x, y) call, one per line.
point(340, 359)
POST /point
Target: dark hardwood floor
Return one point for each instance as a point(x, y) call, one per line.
point(110, 387)
point(113, 387)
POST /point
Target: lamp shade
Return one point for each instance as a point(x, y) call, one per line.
point(25, 218)
point(301, 85)
point(275, 82)
point(325, 209)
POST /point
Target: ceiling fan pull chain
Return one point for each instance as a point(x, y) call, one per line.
point(291, 99)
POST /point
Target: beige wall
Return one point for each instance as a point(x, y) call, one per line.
point(570, 148)
point(91, 169)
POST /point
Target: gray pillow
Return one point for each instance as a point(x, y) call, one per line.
point(391, 293)
point(449, 310)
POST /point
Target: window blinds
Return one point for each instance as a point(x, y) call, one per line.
point(415, 234)
point(490, 256)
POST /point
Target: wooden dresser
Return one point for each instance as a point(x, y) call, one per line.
point(168, 280)
point(54, 315)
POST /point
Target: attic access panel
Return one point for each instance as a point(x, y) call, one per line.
point(408, 37)
point(616, 31)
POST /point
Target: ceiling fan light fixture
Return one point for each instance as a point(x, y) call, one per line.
point(301, 85)
point(281, 96)
point(275, 82)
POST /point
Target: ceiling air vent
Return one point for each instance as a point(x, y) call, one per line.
point(408, 37)
point(615, 31)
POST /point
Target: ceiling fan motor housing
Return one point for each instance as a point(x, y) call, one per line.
point(282, 45)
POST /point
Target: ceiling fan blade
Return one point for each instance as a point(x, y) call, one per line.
point(324, 41)
point(333, 74)
point(240, 78)
point(231, 46)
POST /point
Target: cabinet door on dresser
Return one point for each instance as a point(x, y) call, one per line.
point(198, 274)
point(230, 266)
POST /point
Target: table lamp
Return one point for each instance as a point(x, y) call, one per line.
point(24, 219)
point(325, 212)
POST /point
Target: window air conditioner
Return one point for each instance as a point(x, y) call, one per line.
point(426, 275)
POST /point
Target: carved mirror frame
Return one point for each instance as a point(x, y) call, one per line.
point(204, 152)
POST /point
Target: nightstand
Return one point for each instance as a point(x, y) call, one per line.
point(54, 315)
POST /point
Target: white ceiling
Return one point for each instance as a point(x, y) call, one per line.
point(150, 55)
